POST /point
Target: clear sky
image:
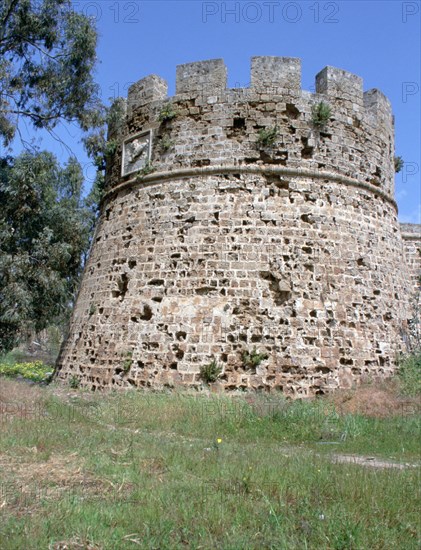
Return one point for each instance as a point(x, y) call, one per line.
point(377, 40)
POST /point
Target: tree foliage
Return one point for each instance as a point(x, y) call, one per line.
point(44, 232)
point(47, 57)
point(47, 61)
point(99, 148)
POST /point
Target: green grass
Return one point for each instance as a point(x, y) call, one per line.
point(410, 374)
point(140, 470)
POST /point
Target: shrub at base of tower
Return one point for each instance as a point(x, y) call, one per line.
point(74, 382)
point(36, 371)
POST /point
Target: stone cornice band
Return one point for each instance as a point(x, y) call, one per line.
point(411, 236)
point(181, 173)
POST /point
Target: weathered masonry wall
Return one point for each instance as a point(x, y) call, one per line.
point(222, 244)
point(411, 235)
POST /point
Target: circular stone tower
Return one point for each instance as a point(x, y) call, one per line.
point(256, 227)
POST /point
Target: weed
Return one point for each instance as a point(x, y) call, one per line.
point(74, 382)
point(398, 162)
point(251, 360)
point(210, 372)
point(147, 169)
point(127, 363)
point(267, 137)
point(167, 113)
point(320, 114)
point(165, 144)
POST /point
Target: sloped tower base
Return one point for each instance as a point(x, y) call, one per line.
point(232, 247)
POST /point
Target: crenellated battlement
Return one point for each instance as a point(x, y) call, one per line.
point(145, 91)
point(339, 84)
point(378, 106)
point(214, 124)
point(207, 77)
point(278, 73)
point(270, 75)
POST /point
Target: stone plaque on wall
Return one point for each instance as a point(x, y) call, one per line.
point(136, 153)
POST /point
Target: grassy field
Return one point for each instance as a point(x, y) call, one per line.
point(157, 471)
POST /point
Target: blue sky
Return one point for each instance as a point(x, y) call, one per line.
point(377, 40)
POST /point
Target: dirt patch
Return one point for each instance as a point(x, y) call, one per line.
point(58, 469)
point(74, 544)
point(28, 483)
point(370, 461)
point(19, 399)
point(376, 400)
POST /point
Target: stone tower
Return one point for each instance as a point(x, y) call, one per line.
point(235, 223)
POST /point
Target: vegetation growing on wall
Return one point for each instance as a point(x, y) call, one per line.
point(320, 114)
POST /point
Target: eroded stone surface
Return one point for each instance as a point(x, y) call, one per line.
point(411, 234)
point(230, 244)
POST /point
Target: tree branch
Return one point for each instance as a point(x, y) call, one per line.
point(12, 6)
point(53, 57)
point(32, 115)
